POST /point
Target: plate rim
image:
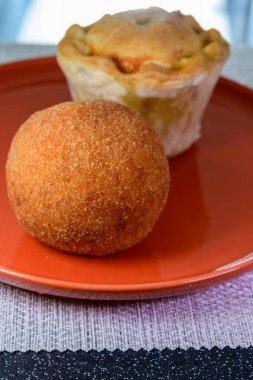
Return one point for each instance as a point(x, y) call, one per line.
point(130, 288)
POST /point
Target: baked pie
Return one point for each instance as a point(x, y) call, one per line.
point(164, 65)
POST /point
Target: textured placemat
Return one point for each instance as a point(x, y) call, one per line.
point(218, 316)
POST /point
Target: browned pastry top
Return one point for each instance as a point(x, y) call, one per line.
point(145, 40)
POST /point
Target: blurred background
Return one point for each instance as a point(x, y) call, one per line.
point(45, 21)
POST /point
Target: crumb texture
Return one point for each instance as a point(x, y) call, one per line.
point(87, 178)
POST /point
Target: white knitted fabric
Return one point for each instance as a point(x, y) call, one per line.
point(218, 316)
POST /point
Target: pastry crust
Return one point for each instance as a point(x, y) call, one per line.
point(149, 44)
point(145, 54)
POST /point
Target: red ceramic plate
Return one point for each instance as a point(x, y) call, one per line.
point(205, 232)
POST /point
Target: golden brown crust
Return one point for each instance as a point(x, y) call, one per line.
point(93, 177)
point(144, 42)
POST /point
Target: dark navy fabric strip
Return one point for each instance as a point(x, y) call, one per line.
point(227, 363)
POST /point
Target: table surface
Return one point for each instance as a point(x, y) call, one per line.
point(218, 316)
